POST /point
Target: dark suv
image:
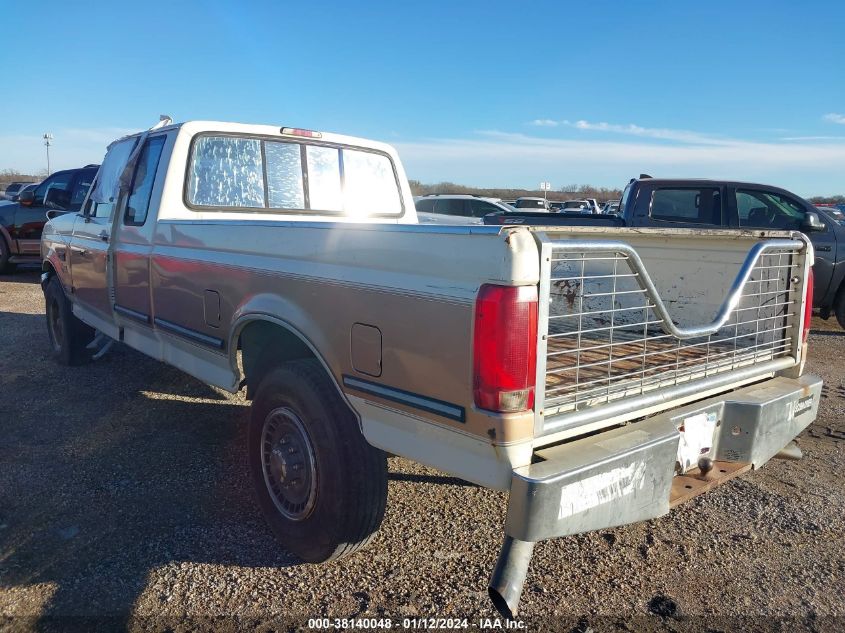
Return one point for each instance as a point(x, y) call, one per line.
point(21, 222)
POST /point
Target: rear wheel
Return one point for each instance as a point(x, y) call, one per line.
point(68, 335)
point(5, 266)
point(839, 309)
point(321, 486)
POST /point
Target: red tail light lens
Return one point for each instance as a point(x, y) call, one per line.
point(505, 347)
point(808, 303)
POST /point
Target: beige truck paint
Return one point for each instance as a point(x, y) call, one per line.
point(414, 284)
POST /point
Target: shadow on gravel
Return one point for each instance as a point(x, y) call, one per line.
point(28, 275)
point(438, 480)
point(826, 333)
point(105, 476)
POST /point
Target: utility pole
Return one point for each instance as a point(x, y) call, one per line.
point(47, 138)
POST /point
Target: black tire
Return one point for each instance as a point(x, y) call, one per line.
point(336, 502)
point(5, 266)
point(68, 335)
point(839, 309)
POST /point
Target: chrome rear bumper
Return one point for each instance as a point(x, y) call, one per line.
point(627, 474)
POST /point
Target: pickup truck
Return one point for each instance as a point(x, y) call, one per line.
point(22, 221)
point(599, 376)
point(710, 204)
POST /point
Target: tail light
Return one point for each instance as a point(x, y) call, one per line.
point(505, 347)
point(808, 303)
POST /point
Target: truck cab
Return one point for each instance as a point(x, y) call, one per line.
point(717, 204)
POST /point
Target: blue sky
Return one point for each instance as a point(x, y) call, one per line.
point(480, 93)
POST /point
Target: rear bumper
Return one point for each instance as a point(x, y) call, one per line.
point(625, 475)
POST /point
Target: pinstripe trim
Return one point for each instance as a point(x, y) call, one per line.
point(432, 405)
point(197, 337)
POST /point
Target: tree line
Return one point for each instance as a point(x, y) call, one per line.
point(569, 192)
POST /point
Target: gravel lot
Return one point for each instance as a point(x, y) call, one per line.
point(124, 503)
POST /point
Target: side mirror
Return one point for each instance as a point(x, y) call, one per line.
point(812, 223)
point(26, 199)
point(57, 199)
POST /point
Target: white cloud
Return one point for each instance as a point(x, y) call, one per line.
point(684, 136)
point(631, 129)
point(497, 158)
point(812, 138)
point(835, 118)
point(544, 123)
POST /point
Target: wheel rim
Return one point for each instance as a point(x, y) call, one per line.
point(288, 463)
point(54, 321)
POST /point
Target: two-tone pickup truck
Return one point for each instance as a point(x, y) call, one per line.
point(601, 375)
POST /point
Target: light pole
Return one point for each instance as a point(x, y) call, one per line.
point(47, 138)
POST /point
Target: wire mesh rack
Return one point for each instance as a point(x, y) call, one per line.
point(608, 335)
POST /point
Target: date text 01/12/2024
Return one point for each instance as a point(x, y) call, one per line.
point(413, 623)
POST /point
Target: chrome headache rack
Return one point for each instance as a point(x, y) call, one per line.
point(608, 345)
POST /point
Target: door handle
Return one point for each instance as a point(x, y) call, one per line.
point(78, 251)
point(104, 235)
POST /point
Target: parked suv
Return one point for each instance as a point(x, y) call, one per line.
point(459, 205)
point(21, 222)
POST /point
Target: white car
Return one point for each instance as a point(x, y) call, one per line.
point(467, 207)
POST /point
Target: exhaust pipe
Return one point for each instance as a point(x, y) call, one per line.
point(508, 579)
point(790, 451)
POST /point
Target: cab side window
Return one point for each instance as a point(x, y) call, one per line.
point(138, 204)
point(768, 210)
point(61, 181)
point(689, 205)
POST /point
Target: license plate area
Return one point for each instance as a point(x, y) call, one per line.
point(698, 438)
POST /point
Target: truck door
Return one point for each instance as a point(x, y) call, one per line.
point(765, 209)
point(134, 231)
point(89, 249)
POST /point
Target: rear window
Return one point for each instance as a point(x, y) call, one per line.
point(254, 174)
point(451, 206)
point(480, 208)
point(530, 204)
point(425, 206)
point(692, 205)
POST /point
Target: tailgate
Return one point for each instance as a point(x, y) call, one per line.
point(632, 321)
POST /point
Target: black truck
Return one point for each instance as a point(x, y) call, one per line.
point(690, 203)
point(22, 221)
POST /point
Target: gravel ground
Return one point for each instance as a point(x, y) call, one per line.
point(124, 503)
